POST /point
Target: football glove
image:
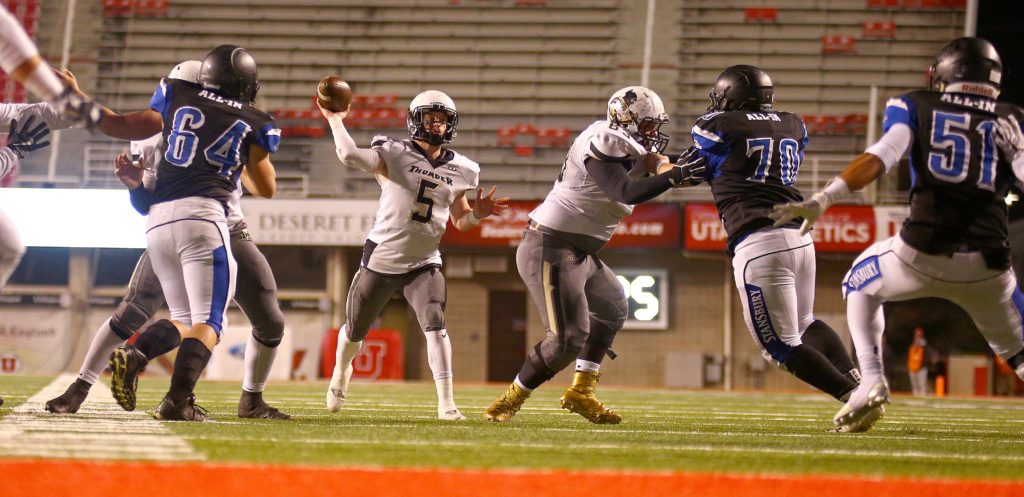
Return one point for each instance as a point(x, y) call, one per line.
point(1009, 138)
point(23, 140)
point(79, 109)
point(689, 169)
point(809, 210)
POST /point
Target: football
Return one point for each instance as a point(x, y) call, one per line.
point(334, 94)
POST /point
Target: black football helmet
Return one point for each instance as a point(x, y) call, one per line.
point(230, 71)
point(968, 65)
point(742, 87)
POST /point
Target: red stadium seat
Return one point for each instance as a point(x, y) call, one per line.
point(882, 30)
point(523, 151)
point(506, 137)
point(857, 124)
point(833, 44)
point(761, 14)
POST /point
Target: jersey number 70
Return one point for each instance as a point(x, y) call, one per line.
point(183, 141)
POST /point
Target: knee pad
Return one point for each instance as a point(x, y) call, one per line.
point(269, 333)
point(432, 318)
point(129, 318)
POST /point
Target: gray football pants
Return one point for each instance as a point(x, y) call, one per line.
point(581, 303)
point(255, 294)
point(423, 288)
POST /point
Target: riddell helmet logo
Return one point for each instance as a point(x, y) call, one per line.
point(9, 364)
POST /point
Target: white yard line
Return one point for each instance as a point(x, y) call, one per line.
point(100, 430)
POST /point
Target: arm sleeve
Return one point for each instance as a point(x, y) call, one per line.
point(47, 112)
point(161, 98)
point(614, 180)
point(348, 153)
point(713, 147)
point(269, 137)
point(140, 199)
point(893, 144)
point(8, 161)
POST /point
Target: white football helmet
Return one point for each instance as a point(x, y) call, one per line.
point(639, 111)
point(432, 100)
point(186, 71)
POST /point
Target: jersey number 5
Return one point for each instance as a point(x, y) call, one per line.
point(424, 215)
point(950, 158)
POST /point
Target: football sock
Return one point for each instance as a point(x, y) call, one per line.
point(259, 358)
point(103, 343)
point(192, 359)
point(520, 384)
point(160, 338)
point(821, 337)
point(815, 370)
point(439, 357)
point(867, 323)
point(343, 355)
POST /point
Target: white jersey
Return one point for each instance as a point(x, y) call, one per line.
point(414, 203)
point(21, 112)
point(150, 150)
point(577, 204)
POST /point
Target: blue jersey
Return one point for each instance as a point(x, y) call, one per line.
point(205, 141)
point(960, 181)
point(752, 162)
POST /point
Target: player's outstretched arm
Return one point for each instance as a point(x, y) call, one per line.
point(366, 159)
point(259, 175)
point(464, 217)
point(859, 173)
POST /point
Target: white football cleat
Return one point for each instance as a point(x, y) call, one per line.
point(865, 407)
point(450, 414)
point(338, 389)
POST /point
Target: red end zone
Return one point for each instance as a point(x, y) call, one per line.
point(25, 478)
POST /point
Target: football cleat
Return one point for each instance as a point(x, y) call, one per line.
point(69, 401)
point(252, 406)
point(865, 407)
point(581, 399)
point(450, 414)
point(507, 405)
point(186, 410)
point(338, 389)
point(126, 362)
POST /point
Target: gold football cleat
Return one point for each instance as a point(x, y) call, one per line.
point(507, 405)
point(580, 398)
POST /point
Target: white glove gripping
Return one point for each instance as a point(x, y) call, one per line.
point(810, 210)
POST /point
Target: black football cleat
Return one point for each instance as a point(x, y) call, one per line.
point(126, 362)
point(252, 406)
point(185, 410)
point(69, 401)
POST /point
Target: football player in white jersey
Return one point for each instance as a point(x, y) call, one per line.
point(423, 184)
point(580, 300)
point(20, 58)
point(24, 135)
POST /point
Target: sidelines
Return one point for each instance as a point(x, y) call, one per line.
point(28, 478)
point(100, 430)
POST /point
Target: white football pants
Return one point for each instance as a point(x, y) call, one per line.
point(774, 272)
point(891, 270)
point(11, 248)
point(189, 248)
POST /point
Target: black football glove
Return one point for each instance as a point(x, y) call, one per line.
point(689, 169)
point(26, 139)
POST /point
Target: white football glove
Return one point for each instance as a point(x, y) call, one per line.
point(810, 210)
point(1009, 138)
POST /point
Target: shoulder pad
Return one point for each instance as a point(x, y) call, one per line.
point(710, 115)
point(610, 145)
point(379, 141)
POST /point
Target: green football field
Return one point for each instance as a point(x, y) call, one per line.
point(393, 424)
